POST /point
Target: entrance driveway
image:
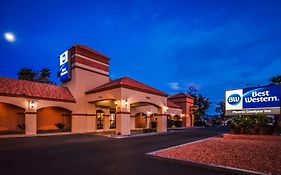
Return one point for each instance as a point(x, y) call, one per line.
point(92, 154)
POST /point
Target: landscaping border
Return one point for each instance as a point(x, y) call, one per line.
point(226, 169)
point(251, 137)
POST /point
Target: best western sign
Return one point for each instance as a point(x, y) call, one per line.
point(252, 101)
point(65, 67)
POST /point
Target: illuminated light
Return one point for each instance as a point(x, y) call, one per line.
point(9, 36)
point(148, 113)
point(165, 108)
point(126, 102)
point(116, 103)
point(31, 105)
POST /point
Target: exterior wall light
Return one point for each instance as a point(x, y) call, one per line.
point(182, 115)
point(165, 108)
point(148, 113)
point(31, 105)
point(116, 103)
point(126, 103)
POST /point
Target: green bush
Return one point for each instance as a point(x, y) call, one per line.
point(60, 125)
point(178, 123)
point(170, 123)
point(153, 124)
point(148, 130)
point(258, 124)
point(21, 126)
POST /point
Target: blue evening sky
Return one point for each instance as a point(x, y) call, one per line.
point(212, 44)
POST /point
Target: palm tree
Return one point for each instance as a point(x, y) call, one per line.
point(276, 79)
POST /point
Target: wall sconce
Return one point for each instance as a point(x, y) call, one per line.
point(165, 108)
point(182, 115)
point(31, 105)
point(126, 103)
point(116, 103)
point(148, 113)
point(173, 115)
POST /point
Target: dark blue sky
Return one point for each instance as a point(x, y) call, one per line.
point(212, 44)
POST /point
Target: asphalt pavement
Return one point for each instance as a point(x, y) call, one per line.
point(92, 154)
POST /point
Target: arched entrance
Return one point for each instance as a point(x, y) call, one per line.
point(142, 113)
point(153, 120)
point(170, 121)
point(53, 119)
point(140, 120)
point(12, 119)
point(178, 121)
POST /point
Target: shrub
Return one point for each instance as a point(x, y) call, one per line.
point(170, 123)
point(153, 124)
point(21, 126)
point(178, 123)
point(148, 130)
point(60, 125)
point(258, 124)
point(200, 123)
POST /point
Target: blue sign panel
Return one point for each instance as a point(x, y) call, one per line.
point(64, 67)
point(268, 96)
point(252, 101)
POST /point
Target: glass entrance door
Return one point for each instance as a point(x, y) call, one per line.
point(100, 119)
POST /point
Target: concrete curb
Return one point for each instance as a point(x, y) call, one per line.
point(37, 135)
point(231, 170)
point(139, 135)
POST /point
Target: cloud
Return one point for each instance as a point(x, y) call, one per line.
point(194, 85)
point(175, 86)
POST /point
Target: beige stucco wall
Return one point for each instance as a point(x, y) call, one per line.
point(174, 111)
point(144, 109)
point(133, 96)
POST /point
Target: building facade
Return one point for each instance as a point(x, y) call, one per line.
point(89, 101)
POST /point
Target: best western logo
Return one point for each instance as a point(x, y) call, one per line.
point(263, 96)
point(234, 99)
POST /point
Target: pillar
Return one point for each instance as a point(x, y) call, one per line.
point(161, 122)
point(123, 123)
point(133, 122)
point(30, 123)
point(147, 122)
point(106, 122)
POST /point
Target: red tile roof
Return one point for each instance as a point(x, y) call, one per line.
point(180, 95)
point(128, 83)
point(30, 89)
point(172, 105)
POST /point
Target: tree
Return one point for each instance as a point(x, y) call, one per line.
point(201, 102)
point(276, 79)
point(30, 75)
point(27, 74)
point(220, 108)
point(44, 76)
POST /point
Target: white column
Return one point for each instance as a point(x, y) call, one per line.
point(147, 122)
point(123, 123)
point(30, 123)
point(161, 123)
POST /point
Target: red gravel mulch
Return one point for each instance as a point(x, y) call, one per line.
point(255, 155)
